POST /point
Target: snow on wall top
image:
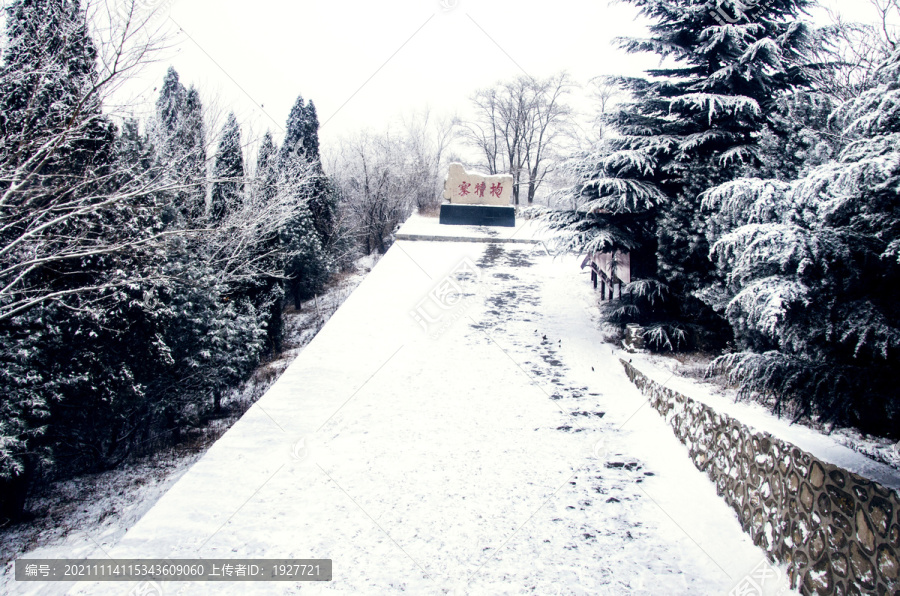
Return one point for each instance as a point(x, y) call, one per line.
point(760, 418)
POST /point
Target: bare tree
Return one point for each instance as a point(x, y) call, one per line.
point(383, 177)
point(52, 217)
point(425, 143)
point(518, 126)
point(603, 93)
point(848, 54)
point(41, 203)
point(373, 176)
point(484, 132)
point(548, 125)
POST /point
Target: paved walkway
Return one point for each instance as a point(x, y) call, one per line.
point(479, 441)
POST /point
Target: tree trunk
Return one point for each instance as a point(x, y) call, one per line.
point(14, 493)
point(295, 291)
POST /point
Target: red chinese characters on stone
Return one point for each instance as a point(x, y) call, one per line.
point(479, 189)
point(497, 189)
point(464, 189)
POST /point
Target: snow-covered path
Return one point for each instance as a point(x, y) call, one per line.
point(500, 451)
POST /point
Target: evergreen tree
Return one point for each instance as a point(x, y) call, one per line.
point(24, 409)
point(306, 266)
point(301, 146)
point(270, 295)
point(301, 137)
point(812, 271)
point(47, 87)
point(799, 136)
point(211, 324)
point(306, 238)
point(211, 336)
point(179, 137)
point(170, 106)
point(267, 168)
point(192, 158)
point(322, 194)
point(125, 312)
point(133, 149)
point(227, 189)
point(687, 127)
point(56, 148)
point(136, 366)
point(97, 351)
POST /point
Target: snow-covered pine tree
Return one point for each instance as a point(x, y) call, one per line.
point(98, 352)
point(799, 136)
point(118, 323)
point(192, 147)
point(302, 143)
point(812, 271)
point(299, 145)
point(178, 134)
point(307, 266)
point(266, 182)
point(301, 176)
point(212, 338)
point(212, 322)
point(686, 128)
point(228, 172)
point(157, 353)
point(170, 106)
point(270, 293)
point(24, 409)
point(55, 150)
point(49, 75)
point(133, 149)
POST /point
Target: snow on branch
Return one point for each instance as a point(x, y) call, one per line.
point(716, 105)
point(747, 201)
point(756, 250)
point(763, 305)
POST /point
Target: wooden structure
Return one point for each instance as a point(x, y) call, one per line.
point(610, 271)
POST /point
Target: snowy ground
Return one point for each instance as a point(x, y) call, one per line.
point(480, 441)
point(88, 515)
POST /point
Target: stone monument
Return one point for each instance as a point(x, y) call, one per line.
point(477, 199)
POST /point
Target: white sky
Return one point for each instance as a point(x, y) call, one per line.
point(364, 63)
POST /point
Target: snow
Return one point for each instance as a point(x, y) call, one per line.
point(419, 227)
point(303, 325)
point(89, 515)
point(504, 452)
point(86, 516)
point(835, 449)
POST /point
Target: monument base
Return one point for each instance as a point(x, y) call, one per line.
point(478, 215)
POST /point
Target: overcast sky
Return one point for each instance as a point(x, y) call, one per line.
point(365, 62)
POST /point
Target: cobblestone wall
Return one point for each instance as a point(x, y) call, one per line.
point(837, 532)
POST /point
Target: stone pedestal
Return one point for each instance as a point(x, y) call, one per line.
point(478, 215)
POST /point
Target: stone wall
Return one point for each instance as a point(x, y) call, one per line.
point(837, 532)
